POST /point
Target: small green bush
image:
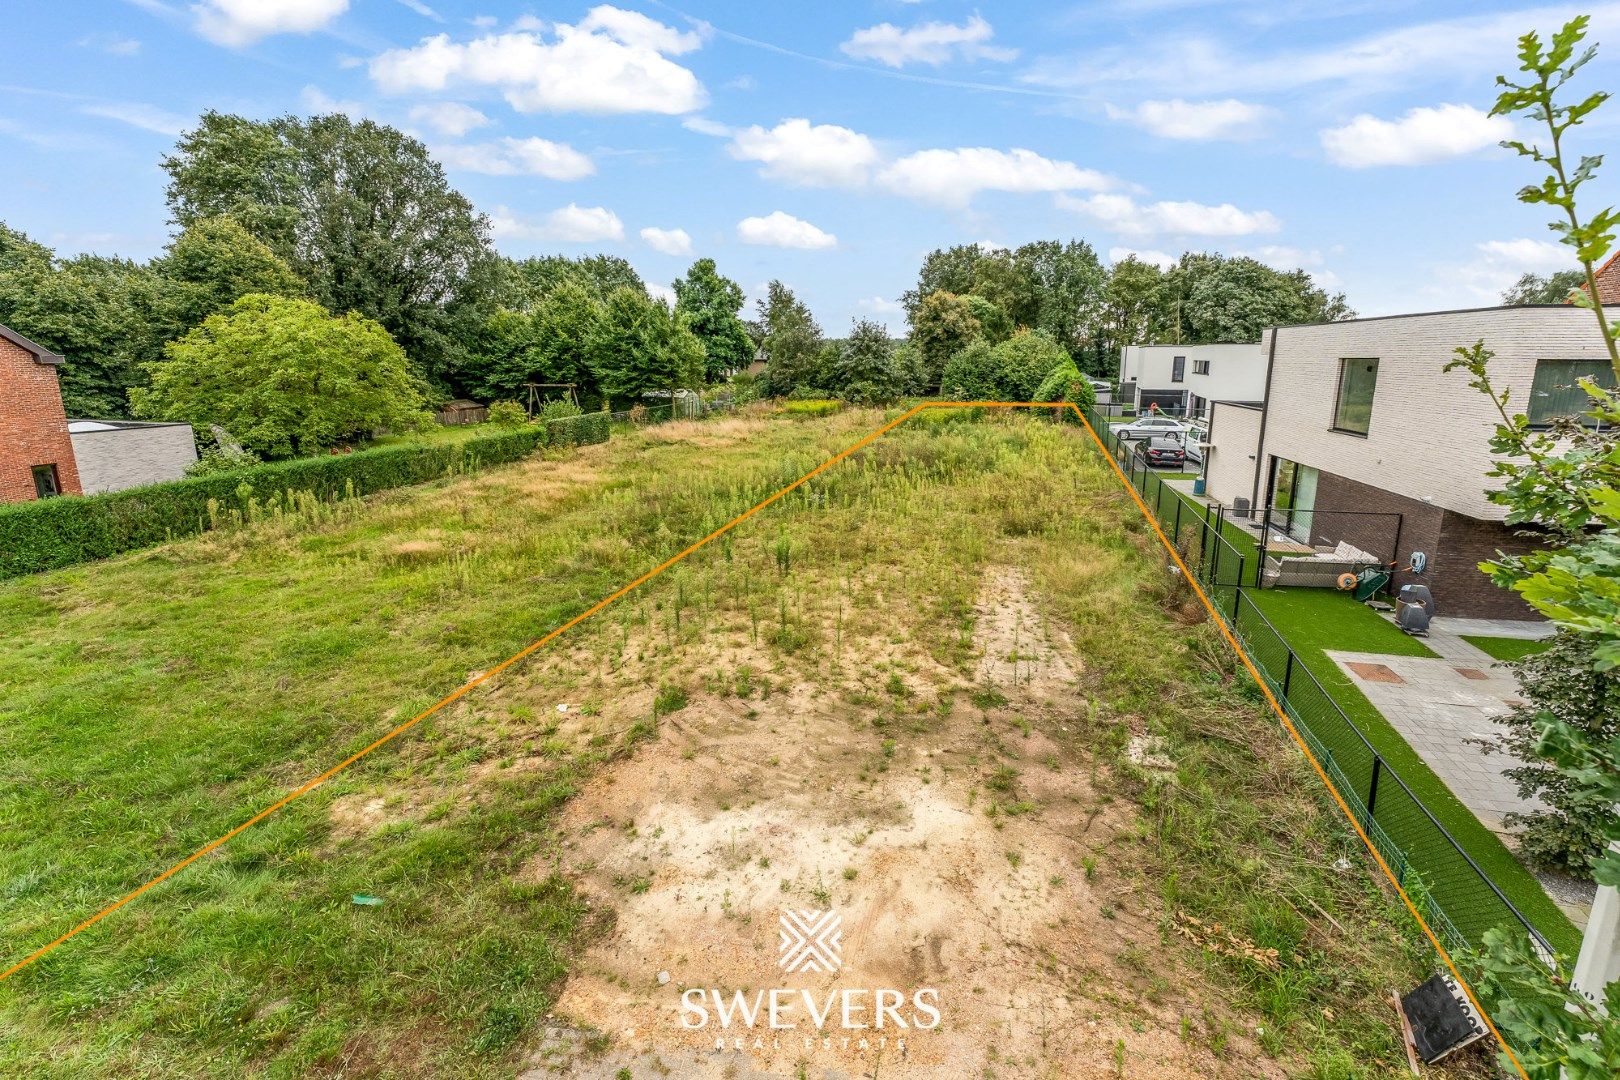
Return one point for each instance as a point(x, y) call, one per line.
point(508, 414)
point(52, 533)
point(217, 459)
point(558, 409)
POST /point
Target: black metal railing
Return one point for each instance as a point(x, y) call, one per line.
point(1458, 898)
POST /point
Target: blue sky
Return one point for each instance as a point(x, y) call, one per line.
point(832, 144)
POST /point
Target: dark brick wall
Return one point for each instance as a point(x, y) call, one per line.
point(1454, 543)
point(1466, 542)
point(33, 427)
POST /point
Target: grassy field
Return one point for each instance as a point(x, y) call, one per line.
point(1507, 649)
point(150, 703)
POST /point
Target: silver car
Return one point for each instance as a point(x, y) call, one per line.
point(1149, 426)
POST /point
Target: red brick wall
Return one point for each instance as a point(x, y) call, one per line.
point(1608, 281)
point(33, 427)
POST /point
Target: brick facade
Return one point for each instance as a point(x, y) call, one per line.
point(1455, 544)
point(33, 427)
point(1608, 281)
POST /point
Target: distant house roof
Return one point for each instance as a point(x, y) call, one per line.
point(40, 354)
point(1608, 281)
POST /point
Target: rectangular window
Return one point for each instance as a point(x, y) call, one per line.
point(1352, 412)
point(1201, 365)
point(1554, 392)
point(1178, 369)
point(46, 483)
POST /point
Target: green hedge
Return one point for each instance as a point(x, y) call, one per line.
point(52, 533)
point(583, 430)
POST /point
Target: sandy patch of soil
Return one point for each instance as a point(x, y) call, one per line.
point(1042, 961)
point(704, 432)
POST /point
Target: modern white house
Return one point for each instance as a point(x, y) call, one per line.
point(1365, 439)
point(1185, 379)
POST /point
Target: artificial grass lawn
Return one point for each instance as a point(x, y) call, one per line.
point(1315, 620)
point(1507, 649)
point(151, 702)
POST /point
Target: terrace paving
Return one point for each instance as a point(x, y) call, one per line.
point(1438, 704)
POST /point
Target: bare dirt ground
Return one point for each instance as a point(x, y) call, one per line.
point(969, 855)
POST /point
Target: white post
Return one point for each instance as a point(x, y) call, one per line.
point(1599, 962)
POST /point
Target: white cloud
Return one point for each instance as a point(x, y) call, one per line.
point(954, 177)
point(1196, 120)
point(422, 10)
point(1162, 259)
point(242, 22)
point(704, 126)
point(136, 114)
point(815, 155)
point(1421, 137)
point(450, 118)
point(668, 241)
point(662, 293)
point(613, 61)
point(926, 43)
point(111, 44)
point(318, 102)
point(572, 224)
point(639, 31)
point(1180, 62)
point(783, 230)
point(518, 157)
point(1494, 266)
point(878, 305)
point(1125, 215)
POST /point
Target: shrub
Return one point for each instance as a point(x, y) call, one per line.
point(218, 459)
point(558, 409)
point(1563, 683)
point(970, 374)
point(809, 393)
point(52, 533)
point(508, 414)
point(582, 429)
point(1065, 383)
point(1023, 360)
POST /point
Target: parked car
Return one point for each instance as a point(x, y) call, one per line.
point(1165, 452)
point(1193, 441)
point(1149, 426)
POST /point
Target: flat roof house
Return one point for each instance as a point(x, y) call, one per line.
point(1364, 432)
point(36, 455)
point(1185, 379)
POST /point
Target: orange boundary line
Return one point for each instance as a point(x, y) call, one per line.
point(535, 646)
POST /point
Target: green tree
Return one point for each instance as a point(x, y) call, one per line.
point(285, 377)
point(600, 275)
point(864, 369)
point(1536, 289)
point(95, 311)
point(972, 374)
point(1023, 361)
point(213, 263)
point(1133, 302)
point(1566, 483)
point(945, 270)
point(792, 341)
point(1069, 284)
point(359, 210)
point(1223, 300)
point(710, 304)
point(942, 325)
point(995, 325)
point(639, 345)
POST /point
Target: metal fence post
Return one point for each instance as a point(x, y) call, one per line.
point(1288, 672)
point(1237, 592)
point(1180, 502)
point(1372, 788)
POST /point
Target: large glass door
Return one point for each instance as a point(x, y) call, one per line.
point(1293, 498)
